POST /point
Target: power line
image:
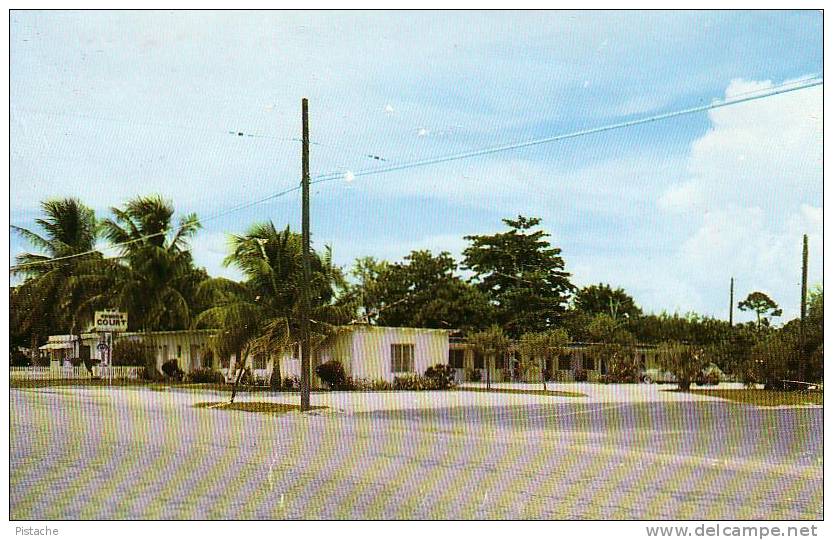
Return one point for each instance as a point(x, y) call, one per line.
point(773, 91)
point(747, 97)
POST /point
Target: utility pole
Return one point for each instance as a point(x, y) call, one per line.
point(801, 358)
point(305, 349)
point(731, 300)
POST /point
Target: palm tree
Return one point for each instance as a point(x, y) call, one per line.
point(56, 280)
point(261, 315)
point(154, 276)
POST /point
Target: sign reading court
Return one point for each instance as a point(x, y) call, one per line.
point(110, 321)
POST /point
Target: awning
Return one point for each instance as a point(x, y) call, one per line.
point(50, 346)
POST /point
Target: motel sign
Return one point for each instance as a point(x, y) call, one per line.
point(110, 321)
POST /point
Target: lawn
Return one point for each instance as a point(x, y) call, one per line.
point(527, 392)
point(766, 398)
point(253, 406)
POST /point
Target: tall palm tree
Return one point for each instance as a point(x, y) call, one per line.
point(261, 315)
point(55, 280)
point(154, 276)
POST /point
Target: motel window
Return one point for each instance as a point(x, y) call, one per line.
point(402, 358)
point(478, 360)
point(565, 361)
point(455, 358)
point(589, 363)
point(259, 361)
point(179, 351)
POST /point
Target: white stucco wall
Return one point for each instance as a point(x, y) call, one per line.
point(371, 354)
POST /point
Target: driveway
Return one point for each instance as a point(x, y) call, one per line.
point(128, 453)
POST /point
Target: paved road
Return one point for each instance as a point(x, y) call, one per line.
point(140, 454)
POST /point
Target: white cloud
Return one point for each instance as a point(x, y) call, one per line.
point(752, 190)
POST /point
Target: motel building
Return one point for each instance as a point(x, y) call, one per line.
point(366, 352)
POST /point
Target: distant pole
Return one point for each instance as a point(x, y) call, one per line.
point(801, 359)
point(731, 300)
point(305, 349)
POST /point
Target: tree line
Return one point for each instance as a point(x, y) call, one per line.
point(511, 285)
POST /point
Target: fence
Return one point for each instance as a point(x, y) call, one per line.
point(44, 373)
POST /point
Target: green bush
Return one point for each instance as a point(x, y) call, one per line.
point(132, 352)
point(371, 384)
point(332, 373)
point(415, 382)
point(291, 383)
point(171, 370)
point(473, 375)
point(580, 375)
point(442, 375)
point(206, 375)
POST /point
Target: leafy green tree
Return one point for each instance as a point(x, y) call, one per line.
point(522, 274)
point(763, 306)
point(614, 346)
point(684, 360)
point(602, 299)
point(491, 343)
point(536, 347)
point(366, 293)
point(262, 315)
point(424, 292)
point(50, 297)
point(774, 359)
point(154, 278)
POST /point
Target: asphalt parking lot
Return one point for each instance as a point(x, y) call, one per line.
point(134, 453)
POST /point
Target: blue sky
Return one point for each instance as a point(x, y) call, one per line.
point(109, 105)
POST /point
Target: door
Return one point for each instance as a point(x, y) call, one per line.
point(196, 357)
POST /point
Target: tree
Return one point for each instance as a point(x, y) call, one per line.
point(424, 292)
point(602, 299)
point(536, 347)
point(261, 315)
point(365, 294)
point(491, 342)
point(614, 347)
point(683, 360)
point(154, 278)
point(51, 295)
point(763, 306)
point(522, 275)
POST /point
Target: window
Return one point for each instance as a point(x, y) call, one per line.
point(455, 358)
point(179, 351)
point(565, 361)
point(478, 360)
point(259, 361)
point(589, 363)
point(402, 358)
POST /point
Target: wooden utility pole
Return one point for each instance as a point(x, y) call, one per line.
point(801, 358)
point(731, 300)
point(305, 348)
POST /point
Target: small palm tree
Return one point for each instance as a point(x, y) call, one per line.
point(261, 315)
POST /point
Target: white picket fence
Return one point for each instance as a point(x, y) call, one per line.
point(44, 373)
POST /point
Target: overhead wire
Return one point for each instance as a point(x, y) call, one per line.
point(327, 177)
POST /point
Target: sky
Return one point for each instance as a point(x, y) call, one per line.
point(106, 106)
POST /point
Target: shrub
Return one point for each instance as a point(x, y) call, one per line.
point(473, 375)
point(371, 384)
point(171, 370)
point(442, 375)
point(132, 352)
point(206, 375)
point(415, 382)
point(580, 375)
point(332, 373)
point(291, 383)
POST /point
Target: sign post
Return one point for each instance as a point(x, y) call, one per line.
point(107, 323)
